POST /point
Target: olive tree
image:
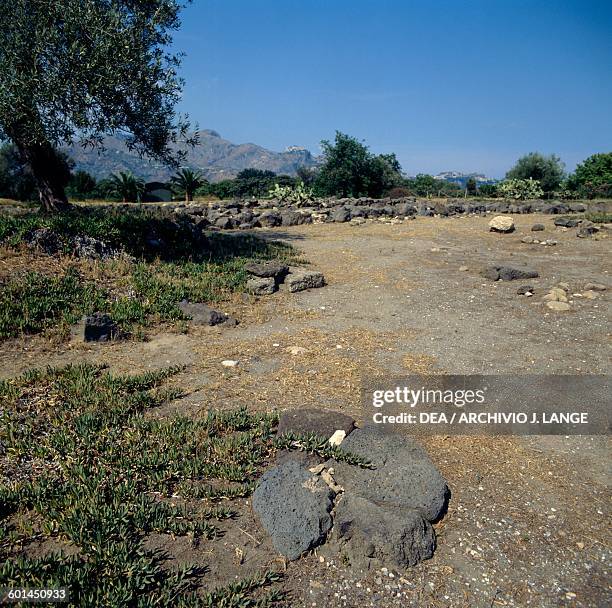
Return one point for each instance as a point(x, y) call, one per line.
point(548, 170)
point(79, 69)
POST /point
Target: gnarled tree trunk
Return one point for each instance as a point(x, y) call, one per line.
point(50, 173)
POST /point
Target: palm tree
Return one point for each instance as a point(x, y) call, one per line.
point(187, 182)
point(127, 186)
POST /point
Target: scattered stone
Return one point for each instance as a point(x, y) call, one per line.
point(98, 327)
point(501, 223)
point(94, 249)
point(529, 239)
point(294, 507)
point(202, 314)
point(371, 534)
point(564, 286)
point(558, 306)
point(555, 296)
point(507, 273)
point(299, 280)
point(463, 268)
point(357, 221)
point(566, 222)
point(229, 363)
point(225, 223)
point(324, 423)
point(260, 286)
point(403, 474)
point(296, 350)
point(525, 290)
point(44, 240)
point(337, 438)
point(587, 231)
point(328, 478)
point(589, 294)
point(270, 219)
point(273, 268)
point(340, 215)
point(595, 287)
point(537, 228)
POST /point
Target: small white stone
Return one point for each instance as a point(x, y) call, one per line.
point(296, 350)
point(229, 363)
point(337, 438)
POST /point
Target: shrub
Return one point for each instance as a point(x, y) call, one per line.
point(296, 196)
point(521, 189)
point(399, 192)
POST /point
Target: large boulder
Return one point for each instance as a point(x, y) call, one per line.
point(340, 215)
point(372, 534)
point(299, 280)
point(202, 314)
point(225, 223)
point(97, 327)
point(270, 219)
point(501, 223)
point(566, 222)
point(44, 240)
point(508, 273)
point(271, 268)
point(403, 475)
point(587, 230)
point(294, 218)
point(320, 422)
point(294, 507)
point(405, 209)
point(94, 249)
point(261, 286)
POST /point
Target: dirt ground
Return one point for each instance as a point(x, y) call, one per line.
point(528, 523)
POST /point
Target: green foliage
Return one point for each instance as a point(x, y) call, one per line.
point(249, 183)
point(253, 183)
point(548, 170)
point(32, 302)
point(16, 181)
point(73, 66)
point(488, 190)
point(471, 187)
point(187, 182)
point(520, 189)
point(314, 444)
point(81, 186)
point(351, 170)
point(599, 218)
point(82, 466)
point(427, 185)
point(297, 195)
point(127, 187)
point(593, 177)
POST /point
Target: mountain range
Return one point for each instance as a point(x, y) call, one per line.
point(215, 157)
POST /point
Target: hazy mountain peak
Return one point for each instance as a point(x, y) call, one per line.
point(215, 157)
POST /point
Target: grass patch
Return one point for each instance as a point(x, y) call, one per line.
point(146, 289)
point(83, 466)
point(598, 218)
point(83, 469)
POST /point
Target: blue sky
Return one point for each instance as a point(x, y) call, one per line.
point(446, 85)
